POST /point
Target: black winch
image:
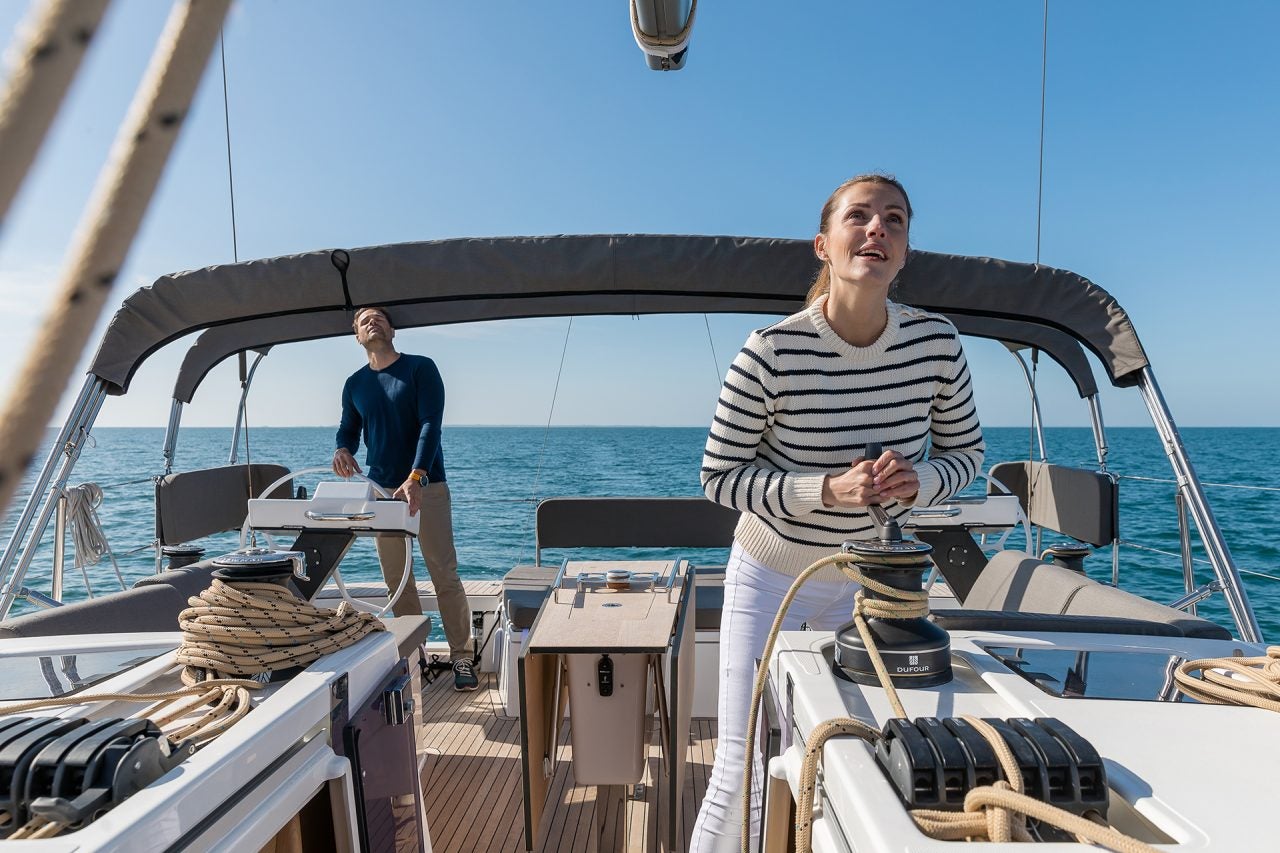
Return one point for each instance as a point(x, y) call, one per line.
point(181, 555)
point(915, 651)
point(260, 565)
point(71, 771)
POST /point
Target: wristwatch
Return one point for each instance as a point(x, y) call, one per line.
point(416, 476)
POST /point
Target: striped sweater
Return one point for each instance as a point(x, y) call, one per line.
point(799, 402)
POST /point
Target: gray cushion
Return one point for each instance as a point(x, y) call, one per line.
point(188, 581)
point(1014, 580)
point(1097, 598)
point(410, 632)
point(1002, 620)
point(150, 608)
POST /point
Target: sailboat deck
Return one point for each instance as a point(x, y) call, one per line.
point(470, 771)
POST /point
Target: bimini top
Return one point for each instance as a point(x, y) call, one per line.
point(256, 304)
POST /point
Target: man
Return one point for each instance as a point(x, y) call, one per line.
point(397, 403)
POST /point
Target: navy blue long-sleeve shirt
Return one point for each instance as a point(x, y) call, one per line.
point(398, 411)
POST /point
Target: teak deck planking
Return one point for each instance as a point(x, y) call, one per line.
point(471, 781)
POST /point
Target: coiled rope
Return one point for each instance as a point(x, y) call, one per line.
point(995, 812)
point(87, 535)
point(1251, 681)
point(86, 529)
point(230, 634)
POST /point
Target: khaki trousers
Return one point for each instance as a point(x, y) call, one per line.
point(435, 541)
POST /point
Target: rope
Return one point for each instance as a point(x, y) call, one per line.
point(86, 529)
point(53, 41)
point(106, 232)
point(251, 628)
point(711, 343)
point(229, 634)
point(1217, 485)
point(1044, 76)
point(908, 605)
point(1246, 681)
point(996, 812)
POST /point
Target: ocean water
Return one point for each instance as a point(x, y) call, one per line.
point(496, 474)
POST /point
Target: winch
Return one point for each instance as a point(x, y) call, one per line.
point(260, 565)
point(915, 651)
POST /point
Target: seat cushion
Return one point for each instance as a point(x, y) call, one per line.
point(1001, 620)
point(149, 608)
point(1015, 580)
point(1099, 599)
point(524, 588)
point(188, 581)
point(709, 601)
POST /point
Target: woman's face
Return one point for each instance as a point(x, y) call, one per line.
point(866, 239)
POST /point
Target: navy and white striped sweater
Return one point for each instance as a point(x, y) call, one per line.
point(800, 402)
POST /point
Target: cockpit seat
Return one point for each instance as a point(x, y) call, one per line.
point(1017, 582)
point(153, 604)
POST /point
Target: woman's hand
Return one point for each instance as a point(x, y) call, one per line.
point(888, 477)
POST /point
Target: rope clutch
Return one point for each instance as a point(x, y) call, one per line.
point(245, 628)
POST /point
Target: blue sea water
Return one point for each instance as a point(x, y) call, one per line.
point(497, 473)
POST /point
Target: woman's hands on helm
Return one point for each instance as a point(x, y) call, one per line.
point(871, 481)
point(344, 464)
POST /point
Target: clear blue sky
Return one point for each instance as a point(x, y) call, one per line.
point(357, 124)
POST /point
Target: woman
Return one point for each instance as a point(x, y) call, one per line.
point(800, 404)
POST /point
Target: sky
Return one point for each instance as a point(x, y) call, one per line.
point(387, 122)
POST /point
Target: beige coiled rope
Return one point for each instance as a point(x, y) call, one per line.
point(1247, 681)
point(228, 632)
point(993, 812)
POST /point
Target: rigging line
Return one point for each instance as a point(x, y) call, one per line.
point(1258, 574)
point(1140, 547)
point(1044, 69)
point(546, 433)
point(1219, 485)
point(235, 244)
point(712, 344)
point(1201, 560)
point(105, 486)
point(226, 123)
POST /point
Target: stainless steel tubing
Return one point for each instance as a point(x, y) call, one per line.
point(74, 421)
point(240, 419)
point(71, 448)
point(1099, 431)
point(59, 547)
point(171, 435)
point(1035, 404)
point(1188, 601)
point(1210, 534)
point(1184, 541)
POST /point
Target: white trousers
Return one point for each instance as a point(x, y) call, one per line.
point(753, 595)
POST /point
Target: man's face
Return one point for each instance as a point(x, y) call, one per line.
point(372, 325)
